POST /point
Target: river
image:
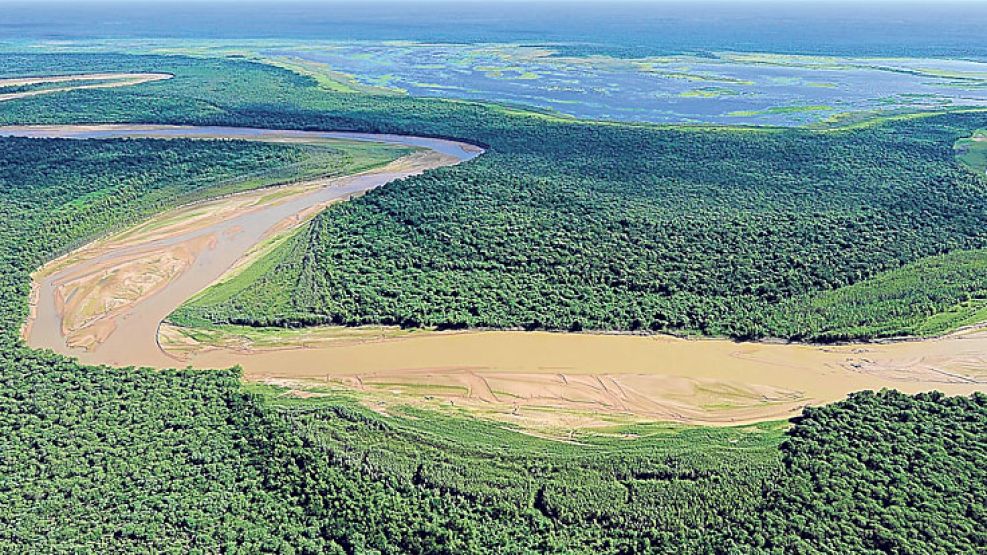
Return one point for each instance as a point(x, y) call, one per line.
point(105, 304)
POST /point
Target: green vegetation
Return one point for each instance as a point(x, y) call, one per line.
point(908, 470)
point(324, 76)
point(929, 297)
point(747, 244)
point(129, 460)
point(783, 110)
point(239, 282)
point(565, 224)
point(494, 489)
point(709, 92)
point(972, 152)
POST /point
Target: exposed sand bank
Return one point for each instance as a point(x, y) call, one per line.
point(589, 376)
point(112, 80)
point(105, 302)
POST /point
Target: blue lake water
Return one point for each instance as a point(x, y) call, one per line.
point(725, 88)
point(639, 61)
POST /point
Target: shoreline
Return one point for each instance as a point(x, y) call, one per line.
point(253, 214)
point(113, 80)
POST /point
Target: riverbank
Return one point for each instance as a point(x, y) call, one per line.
point(24, 87)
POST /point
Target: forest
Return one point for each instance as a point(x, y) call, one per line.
point(104, 460)
point(628, 233)
point(129, 460)
point(568, 225)
point(907, 469)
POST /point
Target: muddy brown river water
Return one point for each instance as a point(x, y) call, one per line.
point(106, 302)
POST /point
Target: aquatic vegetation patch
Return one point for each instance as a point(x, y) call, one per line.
point(775, 110)
point(709, 92)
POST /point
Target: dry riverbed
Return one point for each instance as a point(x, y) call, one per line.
point(71, 82)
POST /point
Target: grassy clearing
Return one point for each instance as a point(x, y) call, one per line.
point(925, 298)
point(972, 152)
point(478, 434)
point(243, 277)
point(325, 77)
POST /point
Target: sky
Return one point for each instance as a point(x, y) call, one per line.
point(944, 28)
point(785, 2)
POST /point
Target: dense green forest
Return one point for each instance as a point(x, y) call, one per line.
point(648, 235)
point(908, 473)
point(102, 460)
point(736, 232)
